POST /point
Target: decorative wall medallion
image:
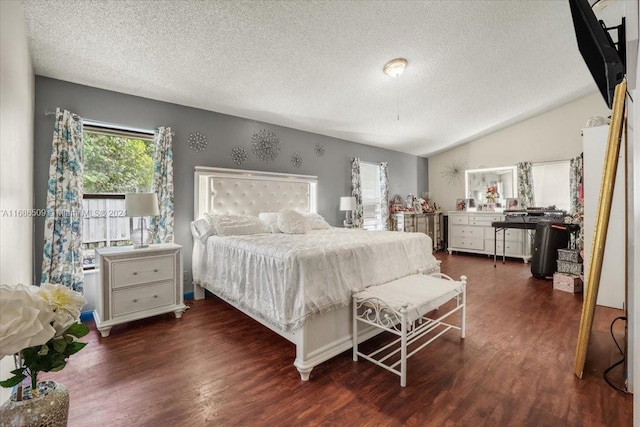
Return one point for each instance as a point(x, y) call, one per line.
point(319, 150)
point(266, 146)
point(296, 160)
point(197, 141)
point(239, 155)
point(453, 173)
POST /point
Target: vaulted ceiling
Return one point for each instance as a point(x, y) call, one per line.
point(473, 66)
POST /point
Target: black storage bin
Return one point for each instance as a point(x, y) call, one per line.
point(549, 238)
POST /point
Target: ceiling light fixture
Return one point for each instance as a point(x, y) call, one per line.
point(600, 4)
point(395, 68)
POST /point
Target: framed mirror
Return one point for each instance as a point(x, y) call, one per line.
point(503, 180)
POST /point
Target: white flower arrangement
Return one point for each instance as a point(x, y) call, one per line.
point(40, 326)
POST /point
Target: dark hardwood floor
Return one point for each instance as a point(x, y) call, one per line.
point(215, 366)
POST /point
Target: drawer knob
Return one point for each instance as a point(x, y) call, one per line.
point(135, 273)
point(135, 300)
point(155, 296)
point(155, 270)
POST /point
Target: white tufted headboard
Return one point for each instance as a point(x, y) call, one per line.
point(238, 191)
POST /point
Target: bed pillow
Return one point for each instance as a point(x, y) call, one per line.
point(270, 219)
point(201, 229)
point(292, 222)
point(316, 221)
point(235, 225)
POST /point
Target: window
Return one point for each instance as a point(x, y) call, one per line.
point(371, 202)
point(115, 162)
point(551, 185)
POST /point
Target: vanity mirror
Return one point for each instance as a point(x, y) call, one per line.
point(478, 181)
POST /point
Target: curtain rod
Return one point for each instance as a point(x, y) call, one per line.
point(552, 162)
point(97, 123)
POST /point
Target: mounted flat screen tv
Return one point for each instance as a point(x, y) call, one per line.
point(605, 62)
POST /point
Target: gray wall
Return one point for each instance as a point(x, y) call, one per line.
point(407, 173)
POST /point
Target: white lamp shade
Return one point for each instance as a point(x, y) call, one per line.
point(347, 203)
point(141, 204)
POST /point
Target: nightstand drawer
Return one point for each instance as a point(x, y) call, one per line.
point(141, 298)
point(135, 272)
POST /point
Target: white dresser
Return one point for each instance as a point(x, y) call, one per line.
point(138, 283)
point(472, 232)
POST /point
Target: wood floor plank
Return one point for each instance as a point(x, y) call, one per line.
point(216, 366)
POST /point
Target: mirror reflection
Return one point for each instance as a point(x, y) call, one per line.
point(480, 182)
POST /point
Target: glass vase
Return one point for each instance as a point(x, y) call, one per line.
point(50, 408)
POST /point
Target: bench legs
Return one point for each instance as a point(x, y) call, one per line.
point(375, 312)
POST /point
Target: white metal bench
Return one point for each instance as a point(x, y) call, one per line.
point(401, 308)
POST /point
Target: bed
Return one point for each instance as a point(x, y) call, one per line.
point(297, 285)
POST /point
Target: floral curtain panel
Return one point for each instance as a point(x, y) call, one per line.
point(356, 191)
point(62, 252)
point(525, 184)
point(384, 194)
point(576, 179)
point(161, 227)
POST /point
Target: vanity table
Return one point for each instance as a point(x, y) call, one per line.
point(471, 230)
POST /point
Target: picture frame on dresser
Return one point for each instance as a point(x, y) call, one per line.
point(513, 203)
point(461, 204)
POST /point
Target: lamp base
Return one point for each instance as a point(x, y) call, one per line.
point(140, 238)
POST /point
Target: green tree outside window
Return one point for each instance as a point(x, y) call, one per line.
point(116, 165)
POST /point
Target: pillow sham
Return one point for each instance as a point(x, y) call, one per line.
point(235, 225)
point(201, 229)
point(292, 222)
point(316, 221)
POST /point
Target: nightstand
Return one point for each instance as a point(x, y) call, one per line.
point(138, 283)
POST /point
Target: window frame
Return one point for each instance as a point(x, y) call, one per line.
point(564, 163)
point(113, 131)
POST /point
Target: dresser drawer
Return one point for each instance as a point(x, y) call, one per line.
point(485, 220)
point(511, 248)
point(467, 231)
point(458, 219)
point(139, 298)
point(467, 243)
point(512, 235)
point(145, 270)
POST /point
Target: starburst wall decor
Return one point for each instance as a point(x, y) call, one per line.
point(266, 146)
point(453, 173)
point(239, 155)
point(197, 141)
point(319, 149)
point(296, 160)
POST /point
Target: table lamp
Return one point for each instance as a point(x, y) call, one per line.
point(141, 205)
point(347, 204)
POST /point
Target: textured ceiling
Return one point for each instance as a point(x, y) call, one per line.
point(474, 66)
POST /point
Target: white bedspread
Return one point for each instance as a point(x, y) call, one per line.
point(287, 279)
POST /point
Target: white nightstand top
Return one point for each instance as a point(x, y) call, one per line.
point(120, 250)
